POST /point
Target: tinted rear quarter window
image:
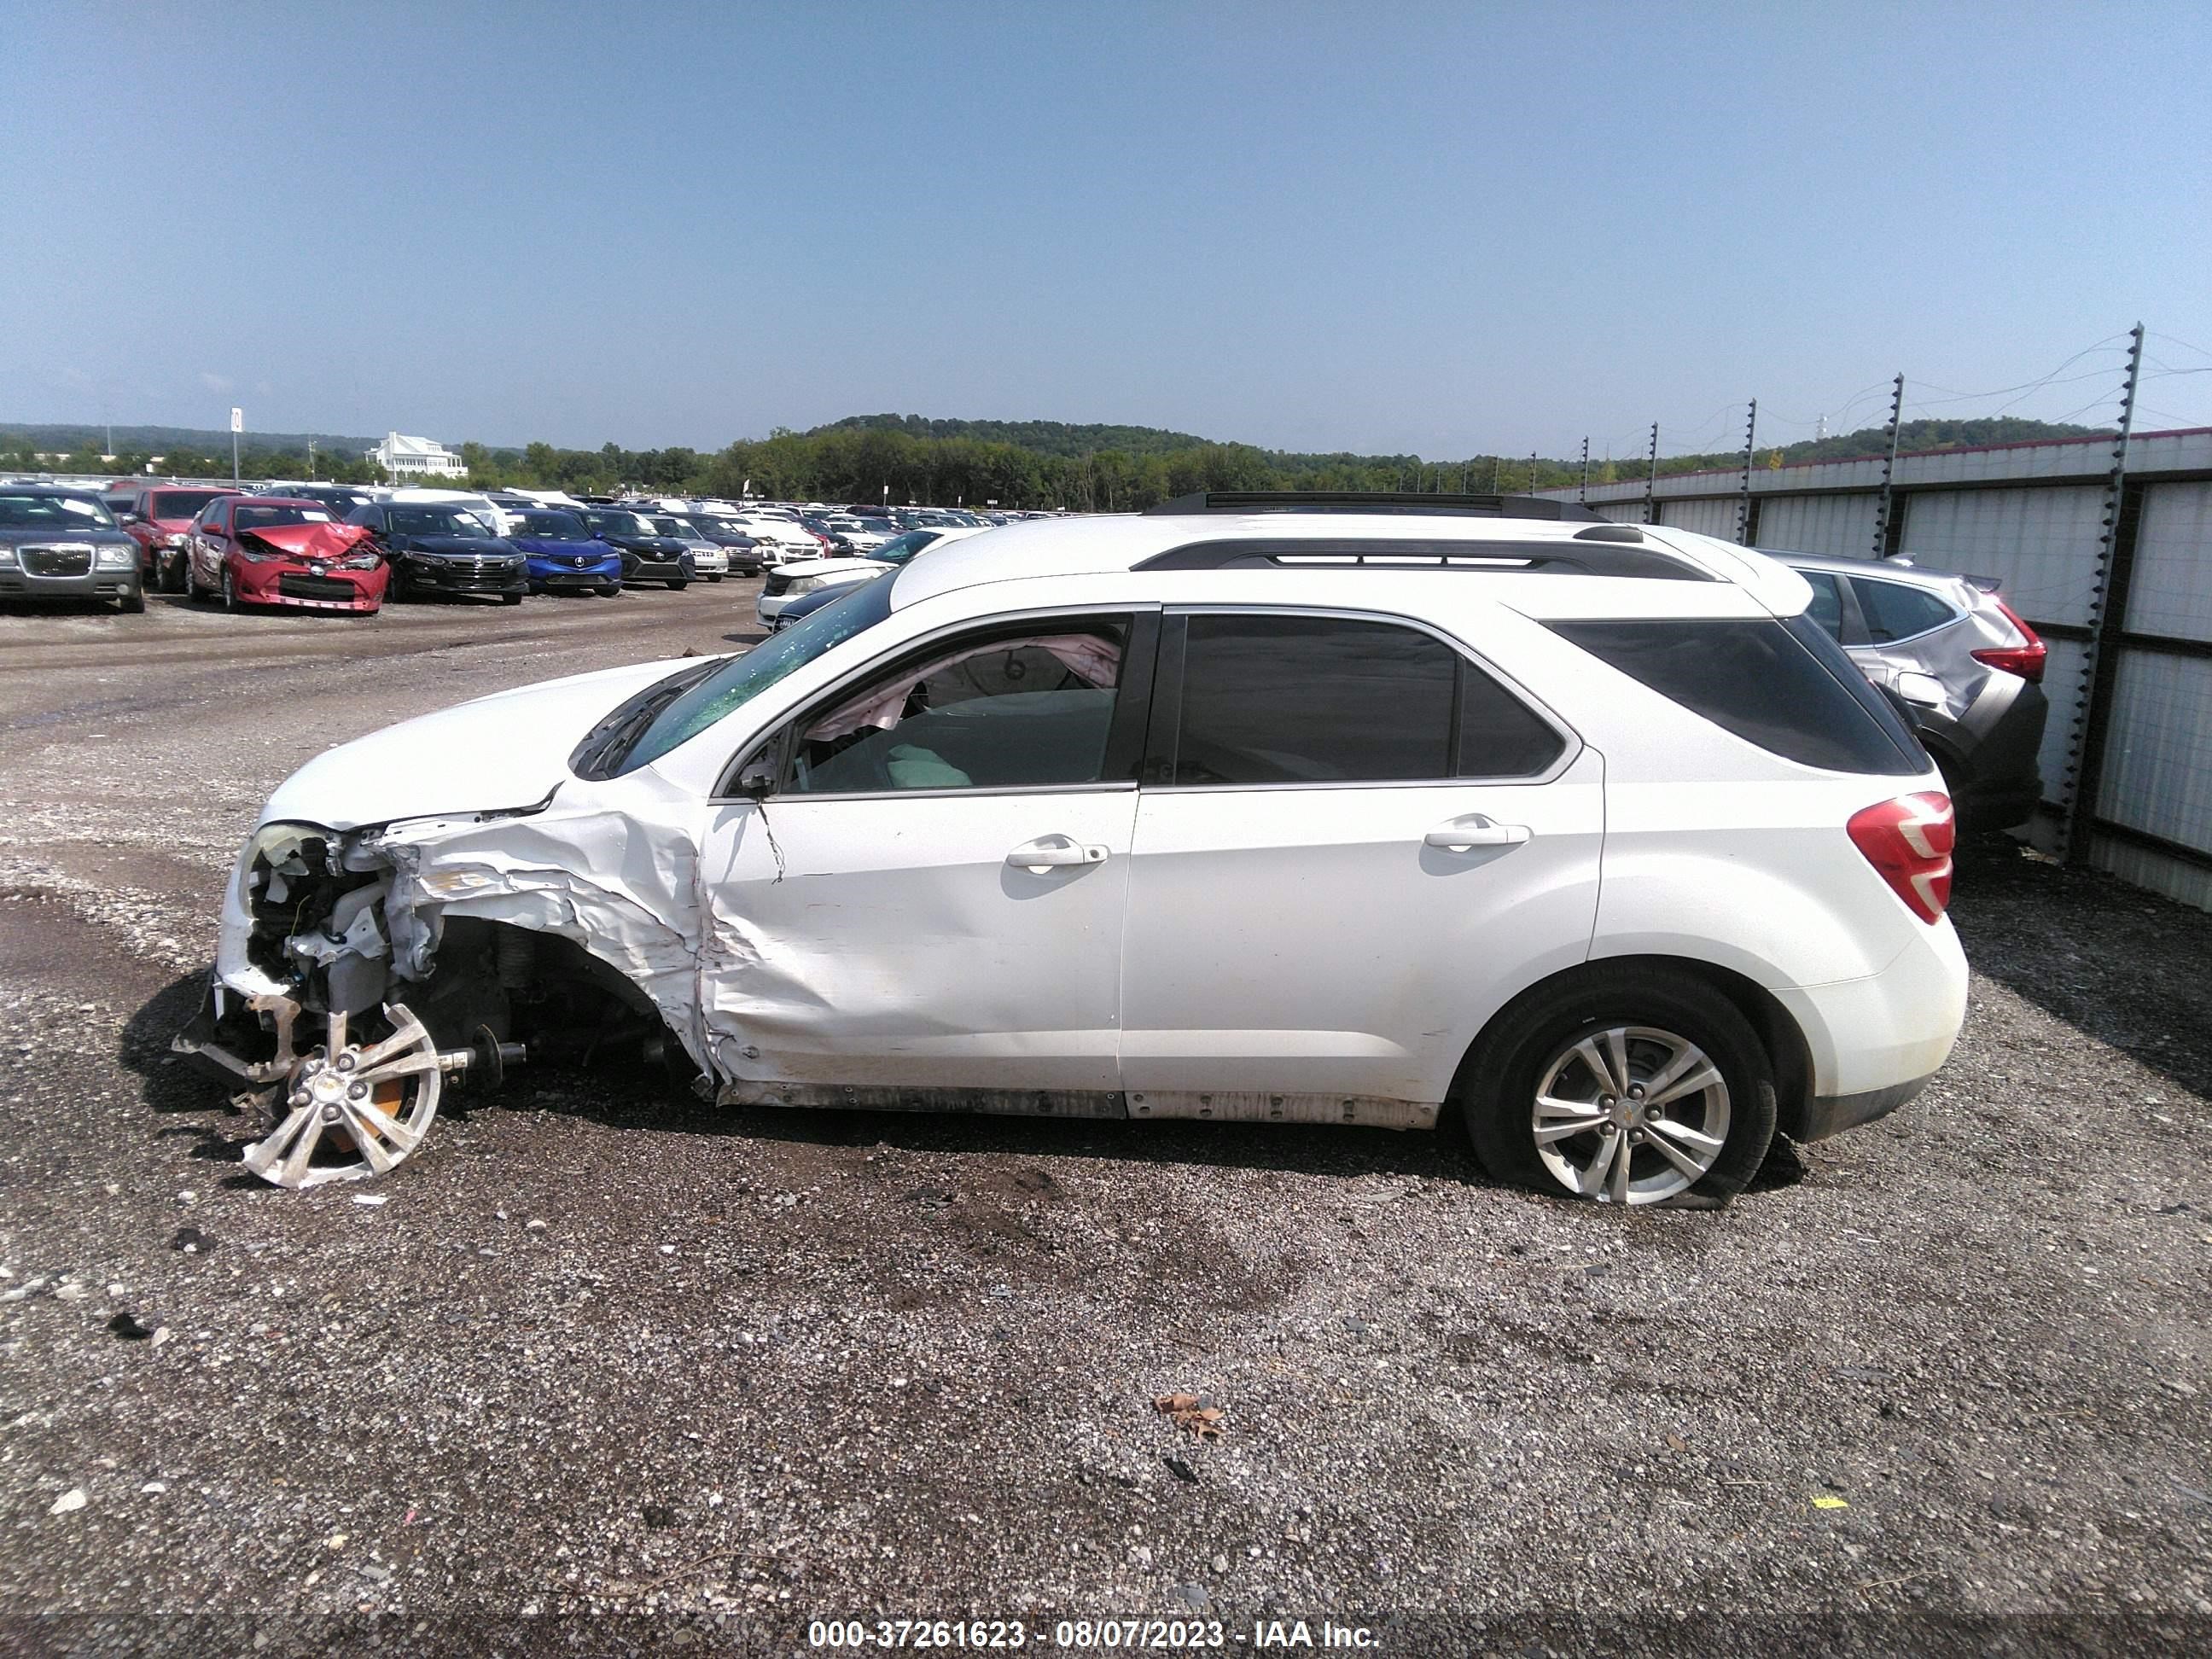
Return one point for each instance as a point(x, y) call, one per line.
point(1786, 687)
point(1896, 612)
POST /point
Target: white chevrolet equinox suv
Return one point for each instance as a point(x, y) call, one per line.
point(1298, 809)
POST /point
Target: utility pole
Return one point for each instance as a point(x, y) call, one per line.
point(237, 426)
point(1584, 495)
point(2108, 618)
point(1743, 497)
point(1497, 469)
point(311, 460)
point(1532, 472)
point(1651, 480)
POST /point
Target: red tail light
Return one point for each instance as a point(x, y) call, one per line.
point(2024, 661)
point(1909, 840)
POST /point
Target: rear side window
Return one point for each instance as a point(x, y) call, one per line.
point(1277, 699)
point(1895, 611)
point(1786, 687)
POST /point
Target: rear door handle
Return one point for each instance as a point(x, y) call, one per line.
point(1046, 850)
point(1464, 835)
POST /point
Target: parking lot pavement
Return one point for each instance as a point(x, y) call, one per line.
point(601, 1346)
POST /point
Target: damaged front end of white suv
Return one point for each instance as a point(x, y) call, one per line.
point(363, 969)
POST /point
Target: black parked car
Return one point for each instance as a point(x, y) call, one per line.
point(646, 557)
point(340, 499)
point(435, 549)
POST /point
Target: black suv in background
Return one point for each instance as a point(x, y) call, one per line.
point(434, 548)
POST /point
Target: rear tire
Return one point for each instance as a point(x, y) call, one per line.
point(1552, 1062)
point(230, 600)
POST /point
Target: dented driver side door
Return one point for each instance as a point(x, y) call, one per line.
point(931, 896)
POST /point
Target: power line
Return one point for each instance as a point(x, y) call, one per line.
point(2028, 385)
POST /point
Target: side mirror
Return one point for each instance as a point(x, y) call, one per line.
point(756, 777)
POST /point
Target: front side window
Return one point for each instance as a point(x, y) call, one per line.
point(1007, 710)
point(553, 527)
point(1895, 611)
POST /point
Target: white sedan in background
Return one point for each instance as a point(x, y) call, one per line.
point(796, 580)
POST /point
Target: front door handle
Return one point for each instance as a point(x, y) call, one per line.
point(1046, 850)
point(1464, 835)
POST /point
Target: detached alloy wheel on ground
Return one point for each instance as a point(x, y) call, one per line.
point(1628, 1087)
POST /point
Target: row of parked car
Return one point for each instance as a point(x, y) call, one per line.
point(334, 547)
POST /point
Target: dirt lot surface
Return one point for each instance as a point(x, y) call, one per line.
point(601, 1347)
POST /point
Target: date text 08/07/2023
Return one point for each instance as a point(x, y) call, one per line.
point(1112, 1634)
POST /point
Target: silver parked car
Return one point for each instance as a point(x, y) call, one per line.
point(58, 542)
point(1960, 659)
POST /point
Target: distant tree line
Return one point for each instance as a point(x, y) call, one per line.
point(1029, 463)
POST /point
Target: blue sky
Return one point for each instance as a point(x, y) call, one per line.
point(1390, 227)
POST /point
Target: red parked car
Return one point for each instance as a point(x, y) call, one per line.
point(159, 518)
point(270, 549)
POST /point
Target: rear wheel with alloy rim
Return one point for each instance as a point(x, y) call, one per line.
point(1629, 1086)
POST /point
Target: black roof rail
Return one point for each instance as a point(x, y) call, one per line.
point(1575, 558)
point(1380, 501)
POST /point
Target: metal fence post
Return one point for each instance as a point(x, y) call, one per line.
point(2108, 616)
point(1651, 480)
point(1584, 495)
point(1882, 510)
point(1743, 524)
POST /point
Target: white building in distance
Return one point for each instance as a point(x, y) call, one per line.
point(403, 456)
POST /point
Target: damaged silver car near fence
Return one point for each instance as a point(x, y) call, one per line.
point(1230, 811)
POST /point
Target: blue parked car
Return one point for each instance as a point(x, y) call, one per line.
point(563, 553)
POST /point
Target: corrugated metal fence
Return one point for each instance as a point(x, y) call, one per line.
point(2032, 514)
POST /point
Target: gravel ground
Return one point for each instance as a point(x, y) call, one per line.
point(601, 1347)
